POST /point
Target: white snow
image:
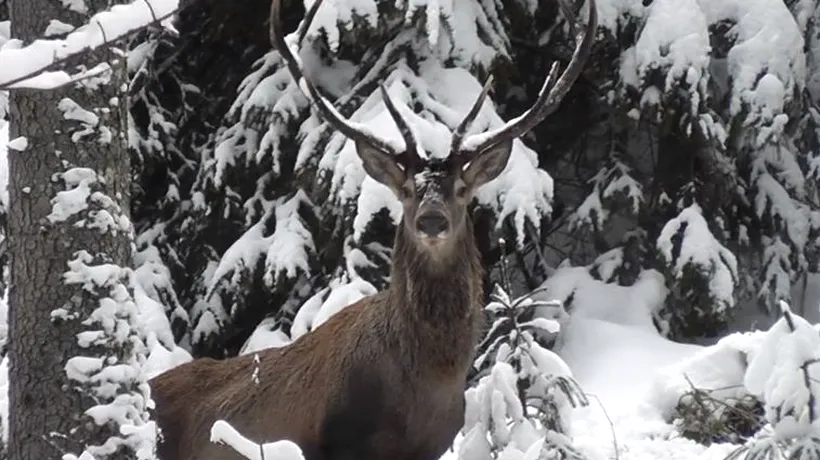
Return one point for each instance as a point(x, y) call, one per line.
point(289, 247)
point(632, 375)
point(22, 66)
point(779, 375)
point(18, 144)
point(613, 14)
point(78, 6)
point(286, 250)
point(608, 342)
point(675, 38)
point(522, 190)
point(699, 248)
point(223, 433)
point(265, 336)
point(56, 27)
point(319, 309)
point(74, 200)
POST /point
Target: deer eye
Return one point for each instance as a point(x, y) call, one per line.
point(406, 191)
point(461, 191)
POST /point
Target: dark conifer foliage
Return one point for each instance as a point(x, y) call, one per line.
point(695, 167)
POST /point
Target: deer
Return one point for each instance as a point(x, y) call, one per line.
point(384, 378)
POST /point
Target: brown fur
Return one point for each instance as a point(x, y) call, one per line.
point(382, 379)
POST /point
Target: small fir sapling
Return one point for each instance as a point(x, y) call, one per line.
point(526, 391)
point(785, 374)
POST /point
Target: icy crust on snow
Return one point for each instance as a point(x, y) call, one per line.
point(105, 27)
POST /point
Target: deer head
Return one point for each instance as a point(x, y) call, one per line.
point(435, 193)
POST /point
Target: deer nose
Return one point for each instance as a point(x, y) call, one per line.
point(432, 224)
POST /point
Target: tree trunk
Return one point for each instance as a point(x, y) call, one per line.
point(76, 155)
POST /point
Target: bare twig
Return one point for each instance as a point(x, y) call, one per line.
point(611, 425)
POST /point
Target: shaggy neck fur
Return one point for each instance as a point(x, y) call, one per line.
point(440, 295)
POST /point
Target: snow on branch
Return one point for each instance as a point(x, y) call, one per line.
point(25, 66)
point(223, 433)
point(288, 252)
point(612, 184)
point(85, 202)
point(669, 63)
point(115, 380)
point(686, 243)
point(784, 374)
point(523, 192)
point(522, 404)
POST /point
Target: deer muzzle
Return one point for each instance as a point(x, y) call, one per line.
point(432, 224)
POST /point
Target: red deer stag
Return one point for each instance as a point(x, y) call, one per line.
point(384, 378)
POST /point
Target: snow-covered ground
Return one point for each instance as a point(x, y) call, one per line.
point(632, 375)
point(619, 366)
point(627, 370)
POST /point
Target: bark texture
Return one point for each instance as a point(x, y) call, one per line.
point(46, 408)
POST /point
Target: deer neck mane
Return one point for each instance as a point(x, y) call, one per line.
point(439, 297)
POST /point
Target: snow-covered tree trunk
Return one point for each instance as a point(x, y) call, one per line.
point(75, 347)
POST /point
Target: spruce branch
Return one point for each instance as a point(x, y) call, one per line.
point(57, 60)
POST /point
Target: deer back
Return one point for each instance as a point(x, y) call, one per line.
point(274, 394)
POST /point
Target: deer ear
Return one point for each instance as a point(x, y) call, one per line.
point(487, 165)
point(381, 166)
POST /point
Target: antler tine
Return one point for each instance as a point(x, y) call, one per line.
point(551, 94)
point(325, 108)
point(461, 129)
point(411, 153)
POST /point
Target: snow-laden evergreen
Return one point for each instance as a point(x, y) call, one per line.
point(337, 214)
point(661, 202)
point(24, 66)
point(521, 407)
point(713, 114)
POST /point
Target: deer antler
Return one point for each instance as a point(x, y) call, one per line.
point(549, 98)
point(351, 130)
